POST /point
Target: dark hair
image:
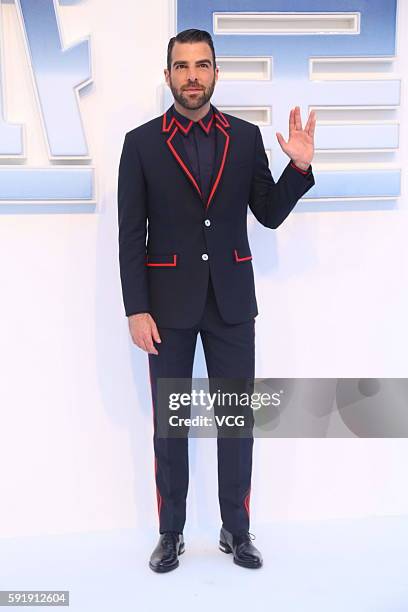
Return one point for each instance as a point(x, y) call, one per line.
point(190, 36)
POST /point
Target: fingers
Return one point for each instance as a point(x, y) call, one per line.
point(144, 333)
point(142, 345)
point(291, 121)
point(150, 348)
point(146, 344)
point(153, 336)
point(309, 119)
point(281, 140)
point(298, 119)
point(312, 126)
point(155, 332)
point(295, 120)
point(149, 334)
point(311, 123)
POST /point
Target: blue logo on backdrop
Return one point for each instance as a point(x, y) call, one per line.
point(329, 55)
point(57, 75)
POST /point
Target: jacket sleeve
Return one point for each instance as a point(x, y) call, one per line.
point(132, 220)
point(272, 202)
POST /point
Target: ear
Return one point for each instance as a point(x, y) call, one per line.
point(166, 75)
point(216, 73)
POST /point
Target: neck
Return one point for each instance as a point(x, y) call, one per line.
point(193, 114)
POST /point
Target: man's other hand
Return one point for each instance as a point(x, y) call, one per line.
point(144, 331)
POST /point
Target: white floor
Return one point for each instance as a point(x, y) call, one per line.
point(331, 566)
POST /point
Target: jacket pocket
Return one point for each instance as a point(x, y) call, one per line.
point(242, 254)
point(169, 261)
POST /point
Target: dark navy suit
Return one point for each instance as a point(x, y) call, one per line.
point(185, 258)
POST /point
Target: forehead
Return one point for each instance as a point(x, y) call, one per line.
point(190, 52)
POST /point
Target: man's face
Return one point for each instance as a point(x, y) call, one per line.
point(192, 77)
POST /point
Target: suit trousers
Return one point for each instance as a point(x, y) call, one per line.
point(229, 351)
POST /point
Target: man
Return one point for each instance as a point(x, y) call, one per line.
point(190, 175)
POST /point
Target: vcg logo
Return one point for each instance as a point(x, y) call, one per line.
point(58, 74)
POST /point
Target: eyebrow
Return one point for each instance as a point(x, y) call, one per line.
point(202, 61)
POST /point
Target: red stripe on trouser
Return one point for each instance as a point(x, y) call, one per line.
point(247, 500)
point(158, 496)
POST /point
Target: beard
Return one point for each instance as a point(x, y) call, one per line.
point(199, 100)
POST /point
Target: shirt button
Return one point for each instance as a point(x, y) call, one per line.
point(207, 222)
point(204, 256)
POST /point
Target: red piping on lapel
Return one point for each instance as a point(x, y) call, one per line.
point(218, 115)
point(227, 139)
point(208, 127)
point(220, 123)
point(167, 128)
point(241, 258)
point(222, 119)
point(174, 263)
point(182, 128)
point(180, 161)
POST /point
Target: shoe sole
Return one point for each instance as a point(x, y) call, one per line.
point(225, 548)
point(163, 570)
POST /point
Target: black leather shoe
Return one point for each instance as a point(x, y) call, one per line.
point(164, 558)
point(245, 553)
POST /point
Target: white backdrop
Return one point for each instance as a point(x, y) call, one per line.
point(76, 449)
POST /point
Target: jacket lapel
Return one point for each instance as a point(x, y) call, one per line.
point(174, 140)
point(222, 148)
point(171, 129)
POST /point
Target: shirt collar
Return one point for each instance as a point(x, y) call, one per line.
point(185, 124)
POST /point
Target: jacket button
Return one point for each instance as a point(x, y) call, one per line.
point(204, 256)
point(207, 222)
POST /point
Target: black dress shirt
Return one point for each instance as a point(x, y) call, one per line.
point(200, 145)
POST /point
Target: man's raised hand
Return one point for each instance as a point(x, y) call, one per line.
point(300, 145)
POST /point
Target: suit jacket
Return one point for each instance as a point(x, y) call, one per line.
point(170, 239)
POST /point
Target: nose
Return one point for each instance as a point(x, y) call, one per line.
point(192, 75)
